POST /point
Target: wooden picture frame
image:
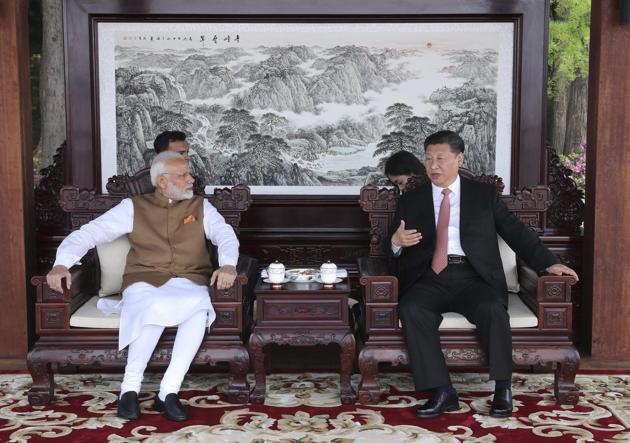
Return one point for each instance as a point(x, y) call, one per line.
point(83, 16)
point(295, 108)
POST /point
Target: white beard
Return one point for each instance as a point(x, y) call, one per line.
point(175, 193)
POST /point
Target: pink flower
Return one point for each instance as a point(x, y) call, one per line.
point(575, 162)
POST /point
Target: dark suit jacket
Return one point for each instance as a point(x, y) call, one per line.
point(482, 216)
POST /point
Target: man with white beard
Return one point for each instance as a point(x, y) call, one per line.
point(166, 277)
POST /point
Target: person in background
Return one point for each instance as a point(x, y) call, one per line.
point(402, 166)
point(172, 141)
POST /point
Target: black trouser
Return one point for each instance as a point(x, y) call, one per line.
point(458, 288)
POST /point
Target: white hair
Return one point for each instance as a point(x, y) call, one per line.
point(158, 165)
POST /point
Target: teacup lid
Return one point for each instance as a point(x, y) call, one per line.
point(276, 265)
point(328, 265)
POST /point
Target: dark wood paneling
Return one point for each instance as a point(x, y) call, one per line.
point(607, 233)
point(529, 16)
point(16, 215)
point(305, 231)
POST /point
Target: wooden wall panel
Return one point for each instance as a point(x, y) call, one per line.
point(607, 226)
point(16, 187)
point(305, 231)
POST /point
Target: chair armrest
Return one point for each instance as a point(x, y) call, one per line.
point(380, 299)
point(234, 306)
point(53, 309)
point(380, 286)
point(555, 288)
point(550, 297)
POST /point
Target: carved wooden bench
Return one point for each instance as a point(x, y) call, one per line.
point(540, 307)
point(73, 333)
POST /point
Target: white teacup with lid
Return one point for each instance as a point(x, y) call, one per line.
point(328, 273)
point(275, 271)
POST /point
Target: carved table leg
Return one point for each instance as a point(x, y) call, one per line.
point(348, 347)
point(42, 392)
point(564, 378)
point(369, 388)
point(238, 388)
point(256, 345)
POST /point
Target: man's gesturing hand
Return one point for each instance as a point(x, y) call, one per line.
point(405, 237)
point(224, 276)
point(56, 275)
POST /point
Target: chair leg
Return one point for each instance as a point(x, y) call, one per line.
point(238, 388)
point(369, 388)
point(42, 392)
point(564, 378)
point(369, 359)
point(237, 358)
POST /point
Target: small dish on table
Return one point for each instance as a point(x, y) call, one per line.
point(302, 275)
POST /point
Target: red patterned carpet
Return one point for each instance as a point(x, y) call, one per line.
point(304, 408)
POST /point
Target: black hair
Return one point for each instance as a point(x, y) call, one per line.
point(161, 141)
point(404, 163)
point(445, 137)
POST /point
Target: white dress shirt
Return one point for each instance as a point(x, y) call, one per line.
point(454, 242)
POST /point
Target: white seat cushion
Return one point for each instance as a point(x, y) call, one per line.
point(508, 258)
point(113, 258)
point(88, 316)
point(520, 316)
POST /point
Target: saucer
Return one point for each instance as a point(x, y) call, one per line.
point(286, 280)
point(337, 280)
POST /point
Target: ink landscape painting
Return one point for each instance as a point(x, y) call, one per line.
point(303, 108)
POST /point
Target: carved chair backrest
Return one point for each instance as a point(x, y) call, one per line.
point(140, 183)
point(530, 204)
point(85, 205)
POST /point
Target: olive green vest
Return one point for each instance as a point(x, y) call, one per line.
point(167, 240)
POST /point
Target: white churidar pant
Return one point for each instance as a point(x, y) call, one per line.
point(144, 313)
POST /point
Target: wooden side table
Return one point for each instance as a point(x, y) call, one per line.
point(302, 314)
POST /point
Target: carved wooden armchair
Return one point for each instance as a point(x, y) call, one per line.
point(540, 307)
point(72, 332)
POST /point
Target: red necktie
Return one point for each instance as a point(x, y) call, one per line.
point(440, 256)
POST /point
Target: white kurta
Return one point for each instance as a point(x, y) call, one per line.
point(171, 303)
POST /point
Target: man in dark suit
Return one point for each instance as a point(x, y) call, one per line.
point(444, 236)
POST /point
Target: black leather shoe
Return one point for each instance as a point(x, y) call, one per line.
point(438, 404)
point(171, 407)
point(128, 406)
point(501, 403)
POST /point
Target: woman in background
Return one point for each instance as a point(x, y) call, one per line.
point(405, 170)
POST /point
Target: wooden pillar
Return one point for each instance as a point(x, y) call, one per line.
point(16, 183)
point(607, 225)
